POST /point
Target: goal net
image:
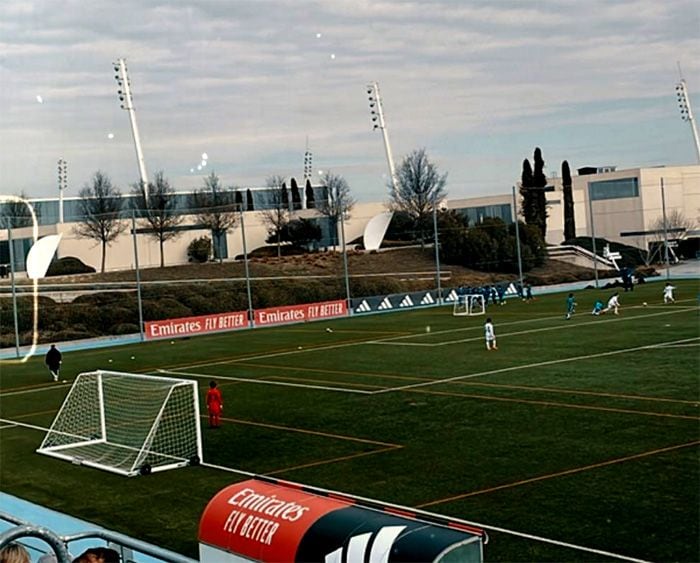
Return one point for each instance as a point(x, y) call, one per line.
point(127, 423)
point(467, 305)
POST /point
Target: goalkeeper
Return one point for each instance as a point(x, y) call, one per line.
point(215, 404)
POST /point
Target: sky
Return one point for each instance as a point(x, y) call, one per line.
point(252, 83)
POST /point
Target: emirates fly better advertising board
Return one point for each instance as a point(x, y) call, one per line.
point(265, 521)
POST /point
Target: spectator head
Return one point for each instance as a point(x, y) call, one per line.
point(14, 553)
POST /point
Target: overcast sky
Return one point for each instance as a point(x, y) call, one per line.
point(477, 83)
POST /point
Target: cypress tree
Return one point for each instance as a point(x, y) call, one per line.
point(310, 203)
point(296, 196)
point(569, 219)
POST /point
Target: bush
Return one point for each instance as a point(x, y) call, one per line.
point(68, 266)
point(199, 250)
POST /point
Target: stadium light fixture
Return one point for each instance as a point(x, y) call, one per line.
point(127, 104)
point(687, 112)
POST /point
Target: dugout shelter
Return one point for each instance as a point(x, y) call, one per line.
point(265, 520)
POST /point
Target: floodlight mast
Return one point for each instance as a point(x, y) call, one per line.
point(377, 113)
point(127, 103)
point(687, 112)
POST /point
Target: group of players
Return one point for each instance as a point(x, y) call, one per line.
point(598, 309)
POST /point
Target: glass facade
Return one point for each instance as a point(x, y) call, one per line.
point(476, 215)
point(614, 189)
point(47, 210)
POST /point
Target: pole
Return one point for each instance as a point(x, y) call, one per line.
point(138, 274)
point(517, 241)
point(437, 254)
point(127, 104)
point(595, 253)
point(251, 318)
point(14, 289)
point(385, 134)
point(345, 255)
point(663, 208)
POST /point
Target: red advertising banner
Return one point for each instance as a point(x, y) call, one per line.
point(301, 313)
point(260, 521)
point(187, 326)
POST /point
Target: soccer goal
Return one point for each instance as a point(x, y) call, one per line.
point(127, 424)
point(468, 305)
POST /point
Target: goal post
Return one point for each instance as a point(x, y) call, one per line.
point(126, 423)
point(469, 305)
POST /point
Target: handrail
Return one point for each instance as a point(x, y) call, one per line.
point(59, 543)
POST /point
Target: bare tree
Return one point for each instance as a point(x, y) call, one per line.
point(339, 203)
point(216, 208)
point(676, 228)
point(276, 214)
point(159, 210)
point(420, 188)
point(15, 214)
point(100, 206)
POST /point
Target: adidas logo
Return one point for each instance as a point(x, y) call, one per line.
point(406, 302)
point(385, 304)
point(427, 299)
point(452, 296)
point(363, 307)
point(357, 548)
point(511, 290)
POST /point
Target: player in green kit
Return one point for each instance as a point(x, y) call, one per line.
point(570, 306)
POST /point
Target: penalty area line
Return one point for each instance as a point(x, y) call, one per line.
point(265, 382)
point(528, 366)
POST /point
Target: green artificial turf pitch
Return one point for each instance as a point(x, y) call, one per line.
point(582, 431)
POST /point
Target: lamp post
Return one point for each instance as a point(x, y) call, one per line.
point(595, 254)
point(127, 103)
point(517, 240)
point(62, 185)
point(377, 113)
point(437, 254)
point(663, 209)
point(251, 318)
point(687, 112)
point(139, 302)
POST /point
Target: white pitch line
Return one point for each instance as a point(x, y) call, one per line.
point(265, 382)
point(23, 425)
point(529, 331)
point(12, 425)
point(37, 390)
point(528, 366)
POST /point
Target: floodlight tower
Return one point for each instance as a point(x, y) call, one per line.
point(127, 103)
point(687, 112)
point(62, 185)
point(377, 113)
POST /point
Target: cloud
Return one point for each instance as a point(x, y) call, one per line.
point(250, 80)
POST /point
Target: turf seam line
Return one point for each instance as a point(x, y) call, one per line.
point(561, 473)
point(528, 366)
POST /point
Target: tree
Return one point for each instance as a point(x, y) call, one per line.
point(159, 211)
point(539, 182)
point(339, 203)
point(676, 227)
point(276, 215)
point(249, 206)
point(216, 209)
point(569, 219)
point(300, 232)
point(310, 202)
point(534, 200)
point(420, 188)
point(15, 214)
point(100, 206)
point(296, 195)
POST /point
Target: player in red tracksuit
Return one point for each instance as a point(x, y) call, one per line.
point(215, 404)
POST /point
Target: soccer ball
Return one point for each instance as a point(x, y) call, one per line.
point(329, 329)
point(644, 304)
point(427, 329)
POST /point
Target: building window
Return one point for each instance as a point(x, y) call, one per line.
point(476, 215)
point(614, 189)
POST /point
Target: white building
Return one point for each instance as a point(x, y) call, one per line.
point(626, 204)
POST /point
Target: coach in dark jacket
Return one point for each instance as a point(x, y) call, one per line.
point(53, 361)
